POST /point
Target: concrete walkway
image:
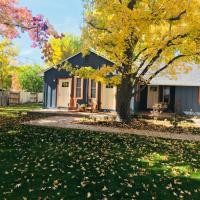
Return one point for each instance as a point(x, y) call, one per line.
point(74, 123)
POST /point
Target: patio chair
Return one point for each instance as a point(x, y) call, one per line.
point(73, 104)
point(92, 106)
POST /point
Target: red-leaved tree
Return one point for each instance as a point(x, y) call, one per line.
point(15, 19)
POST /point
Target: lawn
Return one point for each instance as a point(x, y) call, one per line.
point(15, 110)
point(38, 162)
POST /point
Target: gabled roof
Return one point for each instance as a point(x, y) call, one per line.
point(80, 53)
point(192, 78)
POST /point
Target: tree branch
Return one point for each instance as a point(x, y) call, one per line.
point(157, 72)
point(140, 67)
point(165, 67)
point(138, 55)
point(159, 52)
point(98, 28)
point(177, 17)
point(18, 25)
point(131, 4)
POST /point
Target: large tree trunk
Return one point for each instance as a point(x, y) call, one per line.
point(124, 96)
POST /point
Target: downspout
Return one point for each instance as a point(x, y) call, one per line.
point(87, 92)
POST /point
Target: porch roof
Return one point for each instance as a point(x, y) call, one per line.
point(192, 78)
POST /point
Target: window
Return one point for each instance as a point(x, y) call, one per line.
point(93, 89)
point(65, 84)
point(109, 86)
point(153, 88)
point(78, 88)
point(166, 95)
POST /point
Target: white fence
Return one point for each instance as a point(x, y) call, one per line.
point(28, 97)
point(20, 98)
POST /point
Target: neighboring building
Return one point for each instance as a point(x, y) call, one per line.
point(62, 90)
point(181, 94)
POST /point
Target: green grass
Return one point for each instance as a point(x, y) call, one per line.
point(15, 110)
point(72, 164)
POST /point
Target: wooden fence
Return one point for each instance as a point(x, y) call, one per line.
point(4, 98)
point(13, 98)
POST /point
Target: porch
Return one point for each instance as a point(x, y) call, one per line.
point(153, 95)
point(74, 93)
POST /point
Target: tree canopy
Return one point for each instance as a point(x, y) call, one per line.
point(155, 32)
point(8, 54)
point(144, 38)
point(30, 79)
point(58, 49)
point(15, 19)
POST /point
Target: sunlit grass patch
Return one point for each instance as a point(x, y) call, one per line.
point(13, 111)
point(169, 166)
point(154, 158)
point(196, 175)
point(184, 170)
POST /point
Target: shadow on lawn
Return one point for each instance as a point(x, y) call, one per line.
point(72, 164)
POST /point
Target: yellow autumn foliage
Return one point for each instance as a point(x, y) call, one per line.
point(7, 55)
point(142, 36)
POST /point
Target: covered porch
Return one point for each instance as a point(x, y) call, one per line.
point(74, 93)
point(153, 95)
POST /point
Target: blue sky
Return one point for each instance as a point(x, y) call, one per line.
point(64, 15)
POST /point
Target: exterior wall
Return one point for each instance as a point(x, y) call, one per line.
point(52, 75)
point(84, 100)
point(186, 99)
point(50, 87)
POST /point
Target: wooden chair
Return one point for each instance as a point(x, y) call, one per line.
point(73, 104)
point(92, 106)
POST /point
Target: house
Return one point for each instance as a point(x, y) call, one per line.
point(181, 94)
point(61, 90)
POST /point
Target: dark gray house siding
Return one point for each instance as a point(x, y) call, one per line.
point(186, 99)
point(183, 100)
point(50, 88)
point(52, 75)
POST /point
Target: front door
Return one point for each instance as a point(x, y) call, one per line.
point(108, 97)
point(153, 96)
point(64, 92)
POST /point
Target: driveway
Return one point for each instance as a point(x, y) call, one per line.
point(71, 122)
